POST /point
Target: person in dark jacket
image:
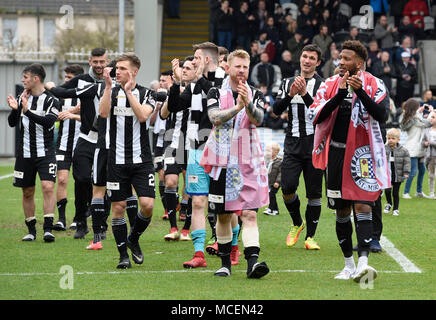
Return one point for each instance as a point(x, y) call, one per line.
point(264, 72)
point(406, 78)
point(384, 70)
point(224, 23)
point(274, 163)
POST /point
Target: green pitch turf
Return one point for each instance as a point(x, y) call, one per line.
point(35, 270)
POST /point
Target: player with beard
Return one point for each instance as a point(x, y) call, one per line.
point(348, 143)
point(233, 159)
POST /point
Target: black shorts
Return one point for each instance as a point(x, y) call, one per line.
point(64, 159)
point(121, 178)
point(25, 170)
point(99, 167)
point(334, 181)
point(83, 159)
point(217, 192)
point(175, 161)
point(297, 159)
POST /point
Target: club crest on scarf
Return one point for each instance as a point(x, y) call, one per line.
point(362, 169)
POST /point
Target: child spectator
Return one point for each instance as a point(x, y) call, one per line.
point(429, 142)
point(399, 160)
point(274, 164)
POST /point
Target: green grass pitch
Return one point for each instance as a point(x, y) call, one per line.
point(33, 270)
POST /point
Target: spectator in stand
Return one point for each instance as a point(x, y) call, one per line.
point(306, 22)
point(385, 34)
point(254, 54)
point(384, 69)
point(323, 40)
point(272, 31)
point(261, 14)
point(406, 78)
point(214, 6)
point(406, 46)
point(264, 72)
point(414, 123)
point(288, 28)
point(326, 19)
point(329, 67)
point(416, 9)
point(373, 55)
point(245, 26)
point(354, 32)
point(266, 45)
point(287, 67)
point(379, 7)
point(296, 44)
point(396, 10)
point(427, 98)
point(224, 25)
point(406, 28)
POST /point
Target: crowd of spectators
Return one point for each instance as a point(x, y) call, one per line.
point(274, 32)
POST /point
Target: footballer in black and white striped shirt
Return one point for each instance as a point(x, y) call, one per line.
point(128, 105)
point(35, 113)
point(296, 94)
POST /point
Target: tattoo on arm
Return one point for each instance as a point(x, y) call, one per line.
point(217, 116)
point(255, 113)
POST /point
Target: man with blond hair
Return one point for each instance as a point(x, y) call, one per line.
point(234, 160)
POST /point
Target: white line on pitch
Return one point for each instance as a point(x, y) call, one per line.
point(406, 264)
point(6, 176)
point(31, 274)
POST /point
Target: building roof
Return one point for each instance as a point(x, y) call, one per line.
point(80, 7)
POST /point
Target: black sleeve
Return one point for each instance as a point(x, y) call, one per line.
point(14, 117)
point(308, 100)
point(204, 84)
point(46, 121)
point(331, 105)
point(281, 105)
point(376, 110)
point(184, 101)
point(173, 97)
point(72, 83)
point(62, 92)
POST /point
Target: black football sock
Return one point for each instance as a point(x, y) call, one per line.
point(141, 224)
point(62, 205)
point(313, 212)
point(212, 223)
point(187, 224)
point(97, 215)
point(119, 229)
point(171, 205)
point(344, 231)
point(293, 206)
point(224, 250)
point(364, 232)
point(132, 209)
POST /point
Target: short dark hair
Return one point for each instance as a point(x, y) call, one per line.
point(357, 47)
point(313, 47)
point(210, 48)
point(222, 50)
point(167, 73)
point(98, 52)
point(74, 69)
point(36, 69)
point(131, 57)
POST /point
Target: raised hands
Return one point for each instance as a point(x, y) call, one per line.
point(177, 71)
point(107, 77)
point(298, 87)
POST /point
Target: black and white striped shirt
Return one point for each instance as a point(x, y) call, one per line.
point(69, 129)
point(194, 98)
point(89, 105)
point(36, 126)
point(299, 124)
point(129, 140)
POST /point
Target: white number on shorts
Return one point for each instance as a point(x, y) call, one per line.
point(52, 169)
point(151, 180)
